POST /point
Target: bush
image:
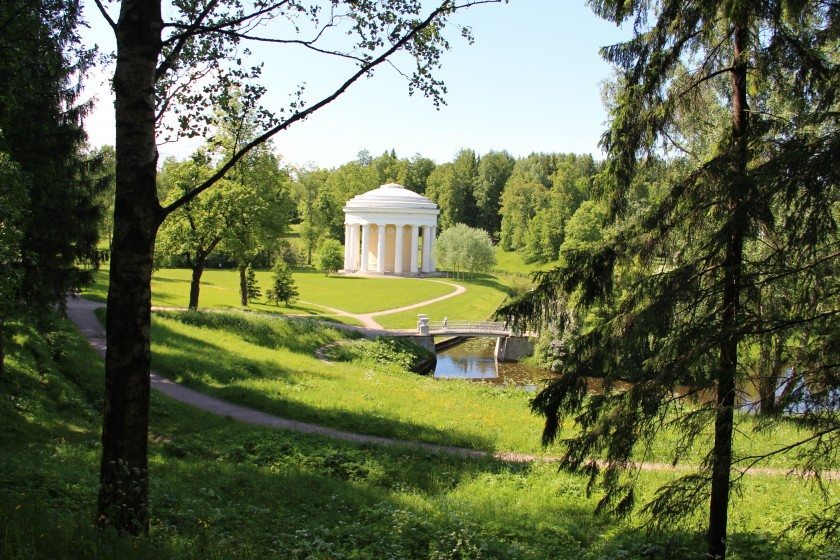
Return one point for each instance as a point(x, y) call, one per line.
point(384, 350)
point(330, 256)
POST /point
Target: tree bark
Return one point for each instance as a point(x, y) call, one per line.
point(732, 264)
point(198, 263)
point(195, 282)
point(124, 482)
point(243, 285)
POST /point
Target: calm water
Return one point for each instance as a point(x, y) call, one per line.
point(474, 360)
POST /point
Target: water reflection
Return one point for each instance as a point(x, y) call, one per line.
point(475, 359)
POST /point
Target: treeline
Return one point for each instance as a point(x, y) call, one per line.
point(524, 204)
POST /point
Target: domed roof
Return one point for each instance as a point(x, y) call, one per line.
point(392, 196)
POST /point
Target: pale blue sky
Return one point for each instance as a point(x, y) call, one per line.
point(530, 82)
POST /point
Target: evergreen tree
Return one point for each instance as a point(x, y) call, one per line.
point(51, 233)
point(669, 297)
point(282, 285)
point(253, 292)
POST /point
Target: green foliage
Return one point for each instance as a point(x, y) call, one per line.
point(452, 186)
point(13, 201)
point(398, 352)
point(729, 243)
point(251, 284)
point(331, 256)
point(51, 211)
point(282, 284)
point(521, 200)
point(585, 228)
point(494, 169)
point(463, 249)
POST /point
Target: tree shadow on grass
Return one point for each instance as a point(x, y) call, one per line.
point(165, 280)
point(221, 489)
point(211, 369)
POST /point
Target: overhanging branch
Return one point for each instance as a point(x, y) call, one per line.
point(444, 8)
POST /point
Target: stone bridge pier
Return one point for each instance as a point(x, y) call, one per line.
point(510, 346)
point(513, 348)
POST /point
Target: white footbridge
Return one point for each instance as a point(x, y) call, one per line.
point(510, 344)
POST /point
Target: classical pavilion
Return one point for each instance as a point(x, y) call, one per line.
point(389, 230)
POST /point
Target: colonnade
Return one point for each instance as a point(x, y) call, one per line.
point(388, 248)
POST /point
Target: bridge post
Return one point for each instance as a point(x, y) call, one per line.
point(513, 348)
point(422, 324)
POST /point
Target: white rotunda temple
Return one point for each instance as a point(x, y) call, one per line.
point(382, 228)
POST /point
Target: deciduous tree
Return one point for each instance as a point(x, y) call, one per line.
point(188, 62)
point(464, 249)
point(330, 255)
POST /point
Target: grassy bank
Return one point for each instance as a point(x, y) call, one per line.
point(269, 364)
point(224, 490)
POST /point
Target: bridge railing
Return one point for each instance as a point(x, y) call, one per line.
point(472, 327)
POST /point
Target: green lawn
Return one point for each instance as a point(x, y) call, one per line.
point(479, 302)
point(512, 262)
point(220, 288)
point(221, 490)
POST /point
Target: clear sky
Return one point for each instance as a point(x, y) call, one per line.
point(530, 82)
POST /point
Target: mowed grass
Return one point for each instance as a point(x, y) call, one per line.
point(483, 296)
point(220, 288)
point(268, 364)
point(223, 490)
point(512, 262)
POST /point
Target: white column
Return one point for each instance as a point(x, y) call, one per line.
point(413, 249)
point(380, 248)
point(347, 246)
point(365, 246)
point(354, 249)
point(432, 249)
point(398, 251)
point(426, 246)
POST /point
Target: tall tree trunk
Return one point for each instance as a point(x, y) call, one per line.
point(195, 282)
point(243, 285)
point(197, 264)
point(732, 263)
point(124, 484)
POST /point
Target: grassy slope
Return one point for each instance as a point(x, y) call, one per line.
point(512, 262)
point(268, 364)
point(222, 490)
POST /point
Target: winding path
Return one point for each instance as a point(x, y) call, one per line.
point(367, 319)
point(82, 313)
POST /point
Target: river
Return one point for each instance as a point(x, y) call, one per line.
point(474, 359)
